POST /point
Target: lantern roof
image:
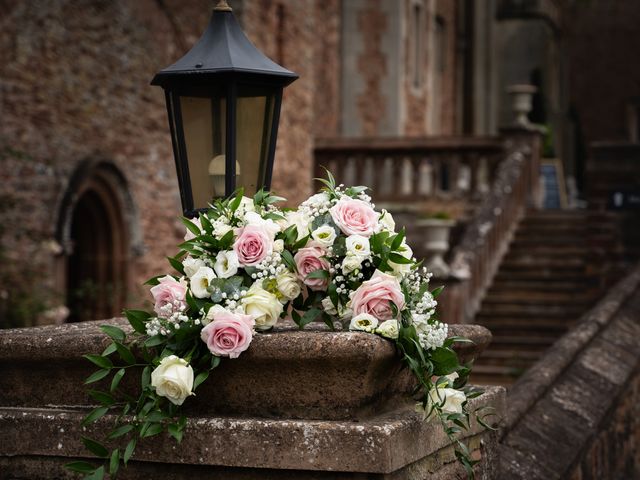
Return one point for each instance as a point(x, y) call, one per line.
point(223, 51)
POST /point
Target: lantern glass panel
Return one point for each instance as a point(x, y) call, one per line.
point(204, 135)
point(254, 121)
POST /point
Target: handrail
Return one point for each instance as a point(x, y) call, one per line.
point(486, 239)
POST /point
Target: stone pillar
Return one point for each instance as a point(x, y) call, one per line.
point(303, 405)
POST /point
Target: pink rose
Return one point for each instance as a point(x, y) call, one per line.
point(229, 334)
point(252, 245)
point(189, 235)
point(309, 259)
point(354, 217)
point(169, 296)
point(376, 295)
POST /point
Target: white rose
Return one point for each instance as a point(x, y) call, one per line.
point(388, 329)
point(451, 378)
point(402, 269)
point(246, 205)
point(301, 221)
point(358, 245)
point(324, 235)
point(173, 379)
point(263, 306)
point(386, 221)
point(363, 322)
point(191, 266)
point(278, 246)
point(271, 227)
point(213, 311)
point(226, 264)
point(288, 286)
point(220, 228)
point(452, 398)
point(200, 282)
point(351, 262)
point(328, 306)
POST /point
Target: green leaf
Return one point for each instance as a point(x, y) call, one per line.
point(175, 431)
point(98, 474)
point(318, 274)
point(192, 227)
point(288, 260)
point(176, 264)
point(153, 281)
point(309, 316)
point(102, 397)
point(120, 431)
point(233, 206)
point(109, 350)
point(116, 379)
point(153, 429)
point(137, 319)
point(445, 361)
point(99, 360)
point(114, 332)
point(114, 462)
point(200, 378)
point(131, 446)
point(145, 378)
point(125, 354)
point(397, 240)
point(80, 467)
point(215, 361)
point(399, 259)
point(154, 341)
point(437, 291)
point(96, 448)
point(95, 376)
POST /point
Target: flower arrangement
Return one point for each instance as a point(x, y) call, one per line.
point(245, 263)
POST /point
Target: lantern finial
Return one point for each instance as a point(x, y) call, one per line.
point(222, 6)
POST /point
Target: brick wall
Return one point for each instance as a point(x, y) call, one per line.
point(75, 87)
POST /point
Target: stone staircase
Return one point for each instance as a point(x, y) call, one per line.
point(550, 276)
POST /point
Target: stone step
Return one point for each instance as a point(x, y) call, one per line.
point(538, 342)
point(503, 326)
point(512, 262)
point(521, 312)
point(509, 283)
point(542, 274)
point(542, 250)
point(508, 357)
point(536, 297)
point(495, 375)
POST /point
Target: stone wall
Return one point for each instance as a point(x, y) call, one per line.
point(575, 413)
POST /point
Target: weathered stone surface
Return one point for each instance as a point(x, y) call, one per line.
point(582, 394)
point(313, 374)
point(383, 444)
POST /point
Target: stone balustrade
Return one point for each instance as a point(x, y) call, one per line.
point(303, 405)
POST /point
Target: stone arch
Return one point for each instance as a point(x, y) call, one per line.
point(98, 230)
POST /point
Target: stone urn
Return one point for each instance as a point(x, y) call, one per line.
point(436, 232)
point(522, 98)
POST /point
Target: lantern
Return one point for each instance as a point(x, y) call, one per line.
point(223, 100)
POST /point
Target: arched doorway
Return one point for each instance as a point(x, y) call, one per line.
point(95, 229)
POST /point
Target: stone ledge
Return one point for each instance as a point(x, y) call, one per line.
point(383, 444)
point(312, 374)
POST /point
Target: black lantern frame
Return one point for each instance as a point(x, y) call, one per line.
point(226, 70)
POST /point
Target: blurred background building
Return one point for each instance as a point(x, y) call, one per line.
point(408, 96)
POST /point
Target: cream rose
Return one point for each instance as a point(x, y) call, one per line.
point(328, 306)
point(363, 322)
point(388, 329)
point(288, 286)
point(351, 262)
point(452, 398)
point(324, 235)
point(173, 379)
point(192, 265)
point(263, 306)
point(200, 282)
point(401, 269)
point(386, 221)
point(226, 264)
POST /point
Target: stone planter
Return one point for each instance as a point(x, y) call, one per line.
point(436, 234)
point(522, 97)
